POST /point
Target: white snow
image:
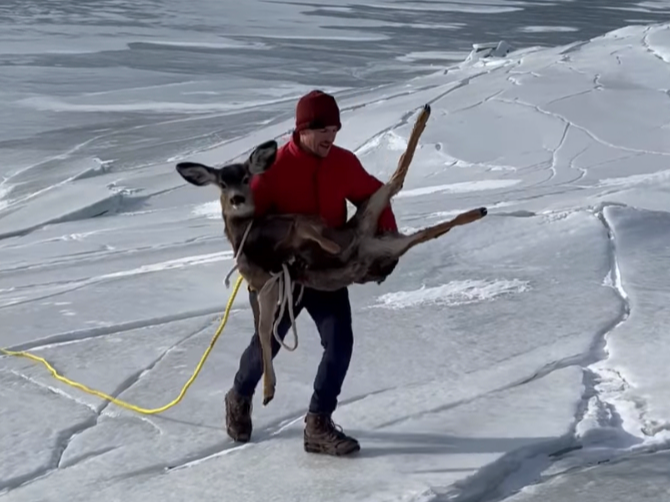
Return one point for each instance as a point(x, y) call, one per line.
point(497, 362)
point(547, 29)
point(475, 7)
point(465, 186)
point(4, 192)
point(206, 44)
point(434, 55)
point(48, 104)
point(453, 293)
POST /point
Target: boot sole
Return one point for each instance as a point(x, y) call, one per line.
point(325, 450)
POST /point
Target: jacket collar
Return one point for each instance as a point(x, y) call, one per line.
point(296, 151)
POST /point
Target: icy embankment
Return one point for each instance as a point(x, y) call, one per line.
point(639, 347)
point(510, 352)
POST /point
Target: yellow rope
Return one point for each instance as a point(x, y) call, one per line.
point(129, 406)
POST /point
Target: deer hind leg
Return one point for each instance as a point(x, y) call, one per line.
point(372, 210)
point(398, 178)
point(267, 303)
point(397, 246)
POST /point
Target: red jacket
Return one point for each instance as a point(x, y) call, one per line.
point(301, 183)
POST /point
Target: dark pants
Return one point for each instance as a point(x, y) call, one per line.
point(331, 312)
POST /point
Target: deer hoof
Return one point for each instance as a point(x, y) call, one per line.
point(483, 211)
point(268, 394)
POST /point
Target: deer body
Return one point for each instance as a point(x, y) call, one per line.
point(332, 258)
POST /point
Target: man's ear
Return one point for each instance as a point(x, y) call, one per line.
point(198, 174)
point(262, 157)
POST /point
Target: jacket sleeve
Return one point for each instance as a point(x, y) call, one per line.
point(361, 185)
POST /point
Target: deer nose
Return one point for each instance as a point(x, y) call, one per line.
point(237, 200)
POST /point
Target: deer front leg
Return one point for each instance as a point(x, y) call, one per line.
point(267, 303)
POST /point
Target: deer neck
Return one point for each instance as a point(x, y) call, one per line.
point(235, 228)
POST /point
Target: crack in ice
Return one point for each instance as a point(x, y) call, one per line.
point(584, 129)
point(77, 336)
point(64, 438)
point(651, 49)
point(404, 120)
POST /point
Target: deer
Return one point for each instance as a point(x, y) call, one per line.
point(329, 258)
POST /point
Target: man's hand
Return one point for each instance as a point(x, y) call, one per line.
point(297, 267)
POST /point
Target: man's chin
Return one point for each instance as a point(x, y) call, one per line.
point(324, 150)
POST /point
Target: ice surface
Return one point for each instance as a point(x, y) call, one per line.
point(638, 348)
point(639, 477)
point(498, 362)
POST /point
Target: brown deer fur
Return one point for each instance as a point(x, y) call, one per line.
point(333, 257)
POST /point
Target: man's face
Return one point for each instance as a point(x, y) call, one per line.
point(319, 141)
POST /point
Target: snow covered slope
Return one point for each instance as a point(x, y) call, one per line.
point(517, 349)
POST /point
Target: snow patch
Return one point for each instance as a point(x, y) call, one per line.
point(210, 210)
point(462, 187)
point(4, 192)
point(489, 50)
point(635, 179)
point(188, 261)
point(433, 55)
point(447, 7)
point(548, 29)
point(343, 38)
point(102, 167)
point(78, 200)
point(223, 44)
point(389, 140)
point(46, 103)
point(453, 293)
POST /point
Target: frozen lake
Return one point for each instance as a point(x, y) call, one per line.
point(127, 84)
point(520, 358)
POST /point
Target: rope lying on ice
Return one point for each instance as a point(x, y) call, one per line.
point(124, 404)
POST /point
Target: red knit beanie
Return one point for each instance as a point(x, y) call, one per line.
point(317, 110)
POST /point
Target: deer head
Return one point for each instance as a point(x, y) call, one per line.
point(232, 180)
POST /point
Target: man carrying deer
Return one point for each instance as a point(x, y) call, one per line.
point(310, 175)
point(289, 205)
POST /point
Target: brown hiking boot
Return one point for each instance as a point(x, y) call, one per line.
point(238, 416)
point(323, 436)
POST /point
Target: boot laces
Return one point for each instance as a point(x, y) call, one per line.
point(334, 428)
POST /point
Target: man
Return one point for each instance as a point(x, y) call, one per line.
point(311, 176)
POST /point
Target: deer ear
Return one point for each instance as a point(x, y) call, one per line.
point(197, 174)
point(262, 157)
